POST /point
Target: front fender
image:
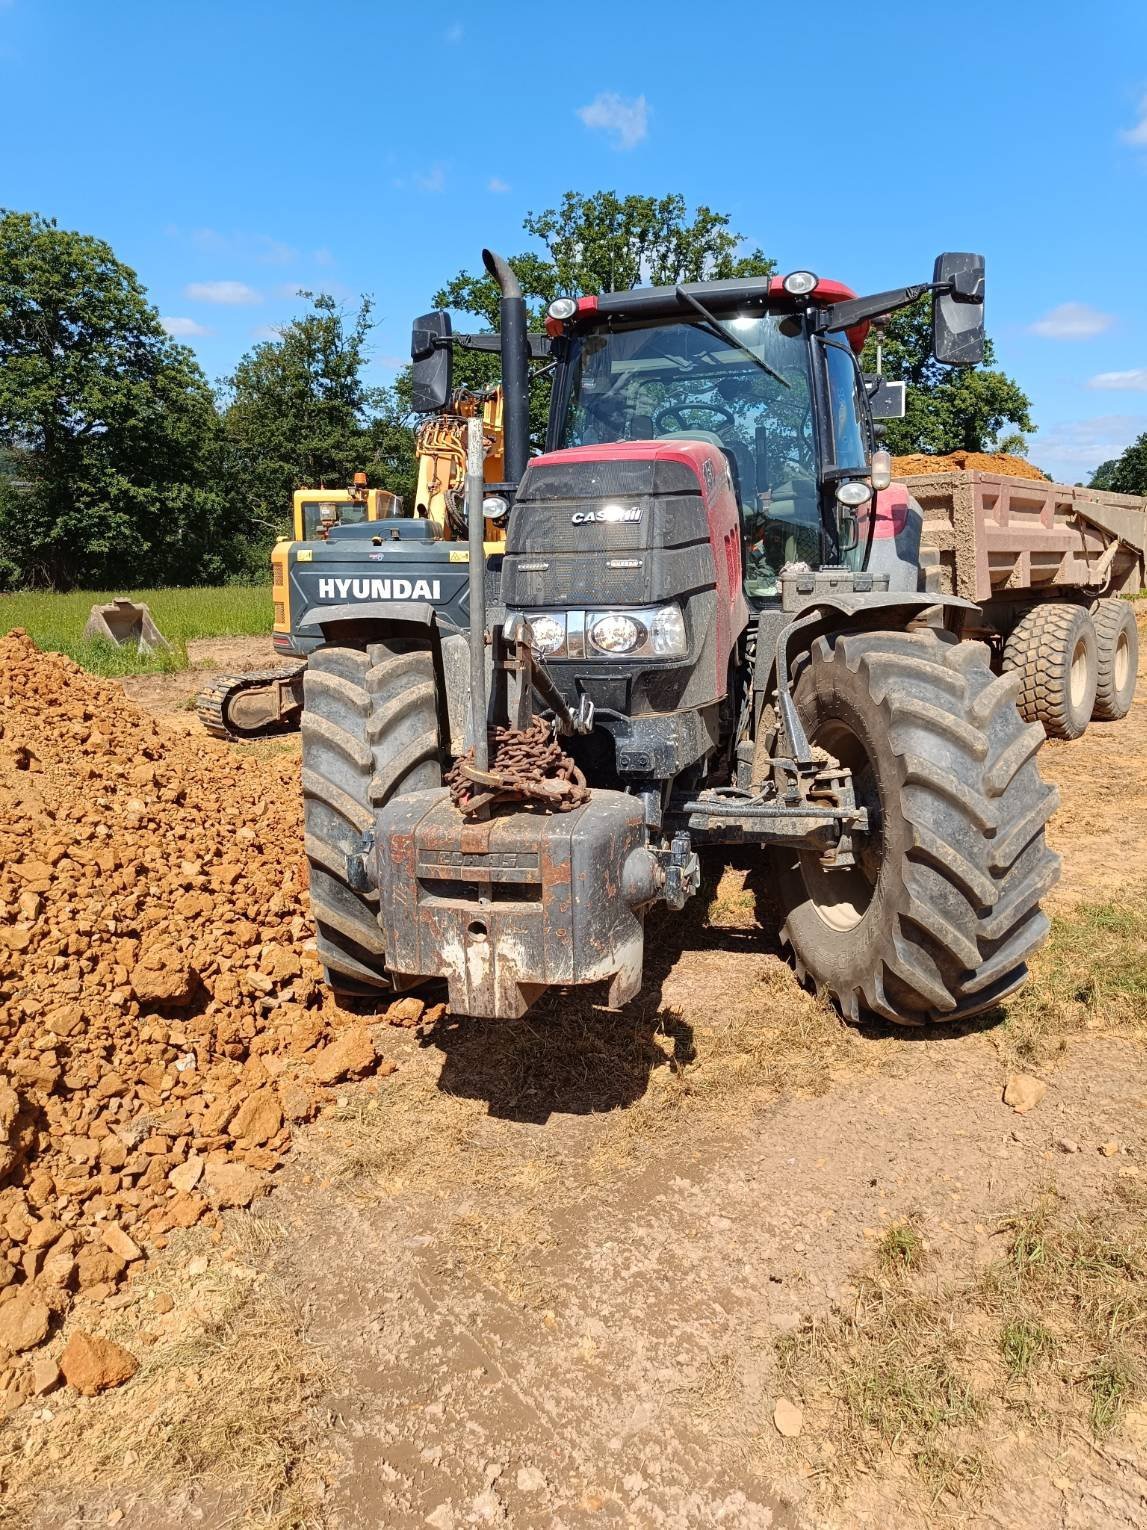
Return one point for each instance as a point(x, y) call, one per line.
point(367, 619)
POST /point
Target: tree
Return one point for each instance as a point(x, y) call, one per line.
point(594, 244)
point(298, 412)
point(108, 429)
point(1126, 474)
point(949, 408)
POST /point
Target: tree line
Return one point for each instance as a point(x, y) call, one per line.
point(121, 465)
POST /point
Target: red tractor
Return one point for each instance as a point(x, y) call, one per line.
point(685, 643)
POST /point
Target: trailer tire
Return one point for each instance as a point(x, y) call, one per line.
point(370, 732)
point(1117, 659)
point(1053, 649)
point(938, 918)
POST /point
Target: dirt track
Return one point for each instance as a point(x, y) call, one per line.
point(542, 1271)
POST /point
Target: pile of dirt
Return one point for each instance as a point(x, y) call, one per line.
point(162, 1019)
point(970, 462)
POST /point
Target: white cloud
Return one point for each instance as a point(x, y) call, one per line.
point(433, 180)
point(454, 33)
point(260, 247)
point(627, 122)
point(183, 329)
point(234, 293)
point(1137, 134)
point(495, 184)
point(266, 332)
point(1072, 321)
point(1073, 448)
point(1134, 381)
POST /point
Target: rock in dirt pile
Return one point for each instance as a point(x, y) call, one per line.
point(162, 1023)
point(965, 462)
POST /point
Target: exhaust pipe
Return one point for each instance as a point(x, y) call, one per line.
point(476, 527)
point(515, 368)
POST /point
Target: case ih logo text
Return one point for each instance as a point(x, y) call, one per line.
point(380, 589)
point(610, 515)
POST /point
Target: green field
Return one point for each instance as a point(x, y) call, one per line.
point(56, 622)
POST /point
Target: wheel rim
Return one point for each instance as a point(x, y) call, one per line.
point(842, 898)
point(1077, 684)
point(1122, 666)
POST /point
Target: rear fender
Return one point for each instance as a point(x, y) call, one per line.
point(375, 621)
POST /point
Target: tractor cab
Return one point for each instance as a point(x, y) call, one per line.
point(746, 367)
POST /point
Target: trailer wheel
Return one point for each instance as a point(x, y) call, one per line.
point(1053, 649)
point(1117, 656)
point(370, 733)
point(941, 911)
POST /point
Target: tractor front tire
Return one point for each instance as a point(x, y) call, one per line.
point(1117, 654)
point(370, 732)
point(1052, 647)
point(938, 917)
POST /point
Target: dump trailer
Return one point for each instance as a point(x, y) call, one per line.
point(691, 645)
point(1046, 565)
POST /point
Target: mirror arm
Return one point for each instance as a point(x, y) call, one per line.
point(864, 310)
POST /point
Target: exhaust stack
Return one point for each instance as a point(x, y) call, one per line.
point(515, 367)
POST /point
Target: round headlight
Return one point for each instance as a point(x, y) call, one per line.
point(549, 633)
point(615, 633)
point(799, 283)
point(495, 507)
point(562, 308)
point(853, 492)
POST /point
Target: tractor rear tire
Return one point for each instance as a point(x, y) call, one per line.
point(1117, 653)
point(1053, 649)
point(370, 732)
point(938, 918)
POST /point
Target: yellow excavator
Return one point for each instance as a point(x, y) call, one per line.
point(356, 542)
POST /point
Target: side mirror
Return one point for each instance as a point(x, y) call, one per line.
point(432, 362)
point(886, 400)
point(958, 310)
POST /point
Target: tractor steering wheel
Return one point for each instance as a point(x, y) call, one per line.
point(673, 413)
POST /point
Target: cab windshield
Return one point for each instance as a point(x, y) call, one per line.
point(338, 512)
point(647, 383)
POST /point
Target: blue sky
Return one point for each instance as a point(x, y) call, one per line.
point(232, 153)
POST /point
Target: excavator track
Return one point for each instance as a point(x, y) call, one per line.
point(252, 706)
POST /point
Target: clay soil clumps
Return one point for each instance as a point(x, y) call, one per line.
point(162, 1021)
point(965, 462)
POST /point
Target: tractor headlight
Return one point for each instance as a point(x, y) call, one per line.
point(615, 632)
point(853, 493)
point(667, 635)
point(495, 507)
point(549, 633)
point(642, 632)
point(562, 308)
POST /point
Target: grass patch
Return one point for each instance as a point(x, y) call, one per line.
point(901, 1250)
point(930, 1373)
point(1091, 974)
point(891, 1376)
point(1072, 1289)
point(55, 622)
point(1024, 1342)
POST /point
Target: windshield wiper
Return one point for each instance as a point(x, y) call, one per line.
point(723, 332)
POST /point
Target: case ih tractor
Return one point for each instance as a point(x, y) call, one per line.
point(681, 646)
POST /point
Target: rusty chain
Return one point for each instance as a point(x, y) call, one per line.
point(526, 765)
